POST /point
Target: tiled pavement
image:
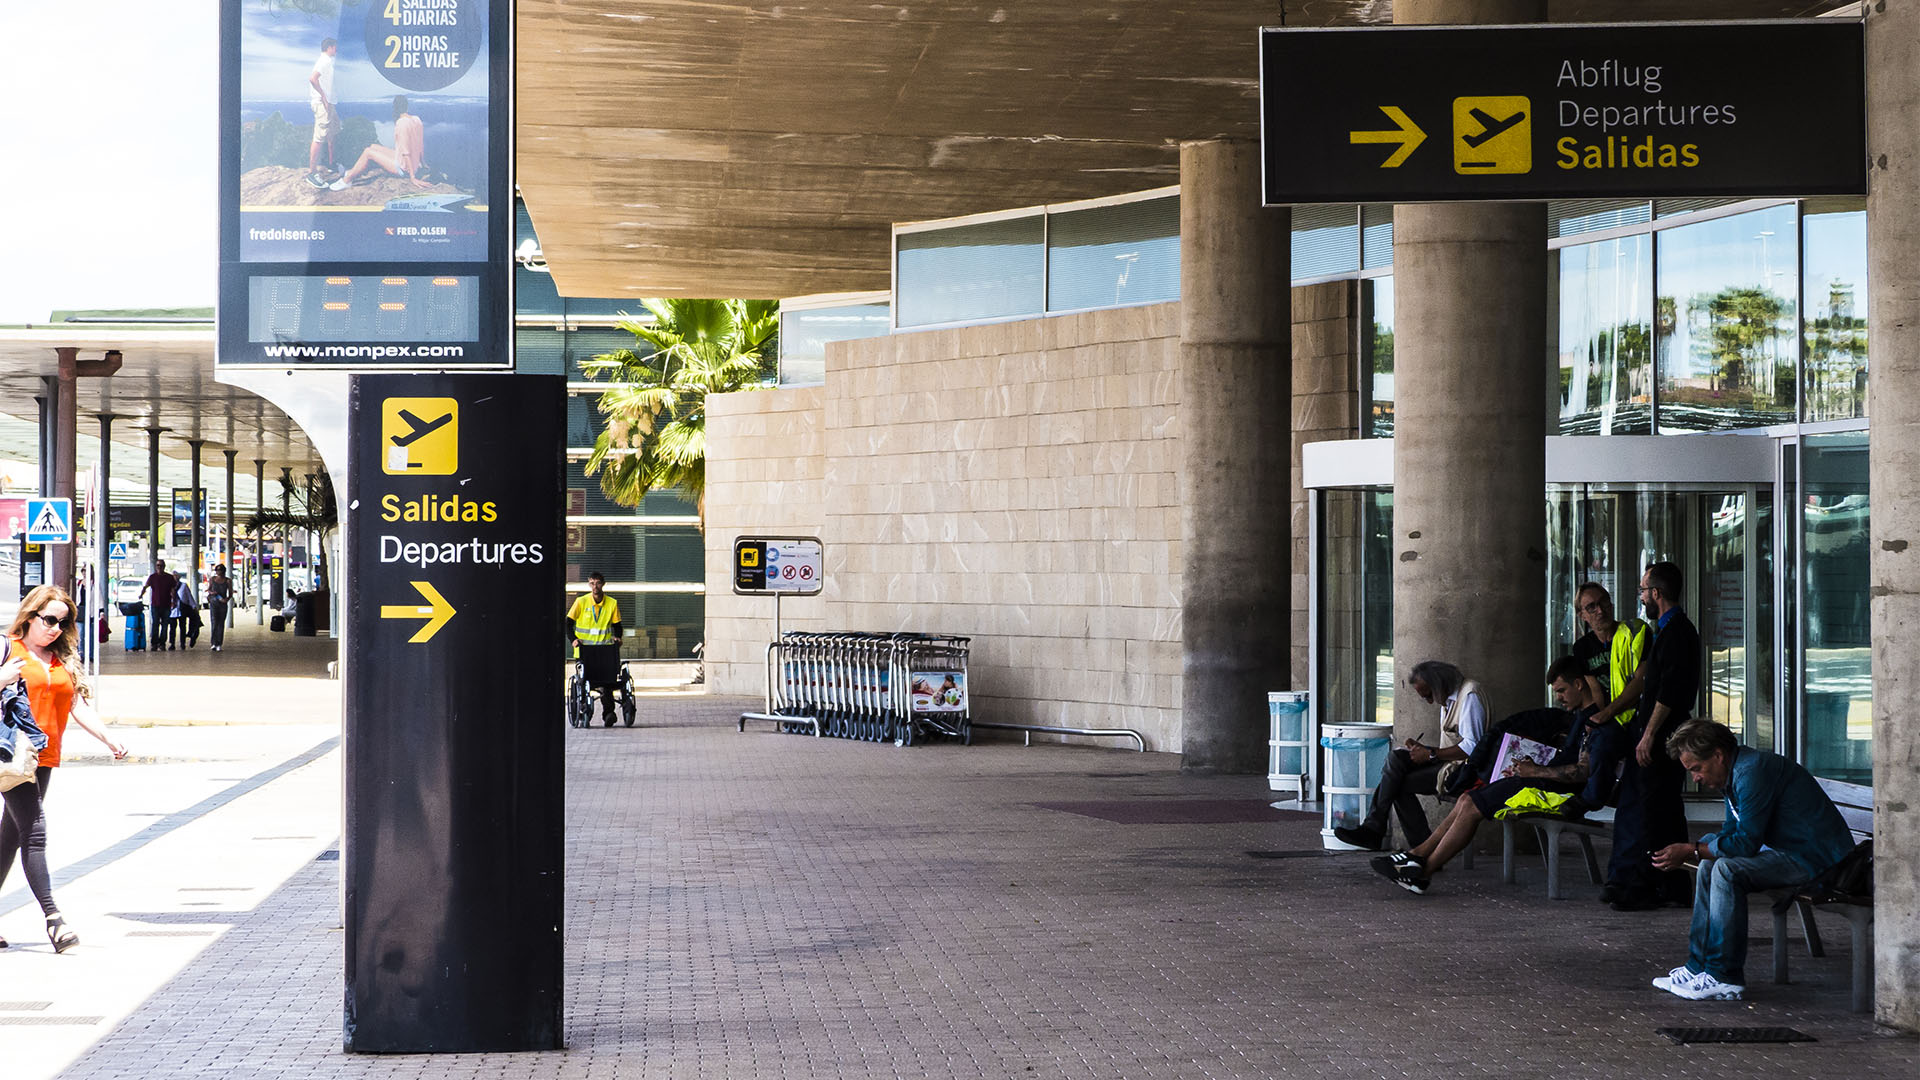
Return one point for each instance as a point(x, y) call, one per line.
point(761, 905)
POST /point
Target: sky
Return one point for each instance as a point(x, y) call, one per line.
point(108, 117)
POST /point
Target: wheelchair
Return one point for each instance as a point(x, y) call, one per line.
point(594, 667)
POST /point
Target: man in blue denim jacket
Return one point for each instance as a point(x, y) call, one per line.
point(1781, 831)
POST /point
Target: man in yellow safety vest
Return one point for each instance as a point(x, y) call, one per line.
point(594, 619)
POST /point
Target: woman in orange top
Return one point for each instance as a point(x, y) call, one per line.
point(39, 646)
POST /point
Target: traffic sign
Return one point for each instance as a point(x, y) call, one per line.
point(777, 566)
point(1445, 113)
point(116, 550)
point(50, 521)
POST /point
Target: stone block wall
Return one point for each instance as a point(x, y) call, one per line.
point(766, 474)
point(1017, 483)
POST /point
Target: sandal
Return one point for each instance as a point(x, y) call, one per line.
point(57, 932)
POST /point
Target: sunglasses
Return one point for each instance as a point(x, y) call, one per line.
point(51, 622)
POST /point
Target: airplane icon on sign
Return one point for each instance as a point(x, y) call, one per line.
point(418, 428)
point(1493, 127)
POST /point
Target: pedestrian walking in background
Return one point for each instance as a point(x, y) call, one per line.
point(186, 612)
point(40, 648)
point(160, 616)
point(219, 596)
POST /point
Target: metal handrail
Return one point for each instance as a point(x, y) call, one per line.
point(1114, 733)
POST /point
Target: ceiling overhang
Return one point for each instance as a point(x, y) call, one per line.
point(698, 148)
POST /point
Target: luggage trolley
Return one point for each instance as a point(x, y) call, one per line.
point(594, 667)
point(933, 671)
point(874, 687)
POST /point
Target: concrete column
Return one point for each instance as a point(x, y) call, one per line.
point(1235, 418)
point(1893, 392)
point(1469, 473)
point(259, 548)
point(103, 530)
point(196, 529)
point(153, 491)
point(66, 442)
point(227, 556)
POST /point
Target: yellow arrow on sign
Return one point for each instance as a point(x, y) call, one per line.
point(437, 612)
point(1408, 135)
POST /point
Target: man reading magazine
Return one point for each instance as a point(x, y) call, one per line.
point(1517, 785)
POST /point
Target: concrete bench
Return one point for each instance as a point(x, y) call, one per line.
point(1856, 806)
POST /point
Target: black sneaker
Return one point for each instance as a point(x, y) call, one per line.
point(1389, 865)
point(317, 180)
point(1413, 878)
point(1609, 893)
point(1574, 809)
point(1361, 837)
point(1638, 900)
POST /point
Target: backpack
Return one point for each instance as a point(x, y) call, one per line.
point(1848, 881)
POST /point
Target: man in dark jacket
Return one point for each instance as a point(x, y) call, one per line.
point(1781, 831)
point(1652, 814)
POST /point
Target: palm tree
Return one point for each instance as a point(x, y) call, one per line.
point(656, 410)
point(316, 512)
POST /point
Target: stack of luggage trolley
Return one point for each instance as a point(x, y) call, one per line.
point(901, 688)
point(594, 667)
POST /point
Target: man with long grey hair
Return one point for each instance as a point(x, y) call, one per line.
point(1417, 769)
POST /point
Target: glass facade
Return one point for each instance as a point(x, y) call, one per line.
point(971, 273)
point(1606, 337)
point(1356, 607)
point(1726, 312)
point(804, 333)
point(1376, 323)
point(1835, 639)
point(1834, 338)
point(655, 571)
point(1114, 256)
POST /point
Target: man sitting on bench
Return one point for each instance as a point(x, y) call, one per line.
point(1781, 831)
point(1565, 784)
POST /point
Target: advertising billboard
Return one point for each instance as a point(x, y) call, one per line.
point(365, 188)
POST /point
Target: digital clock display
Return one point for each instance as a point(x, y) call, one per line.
point(363, 308)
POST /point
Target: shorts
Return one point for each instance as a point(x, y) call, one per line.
point(326, 119)
point(1494, 797)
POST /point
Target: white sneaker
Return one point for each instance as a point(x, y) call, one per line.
point(338, 185)
point(1674, 981)
point(1705, 987)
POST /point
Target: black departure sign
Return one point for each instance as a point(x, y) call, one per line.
point(455, 685)
point(365, 184)
point(1435, 114)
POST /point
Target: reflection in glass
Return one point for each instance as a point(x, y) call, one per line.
point(1110, 256)
point(993, 270)
point(1725, 319)
point(1356, 607)
point(804, 333)
point(1836, 327)
point(1376, 296)
point(1835, 637)
point(1734, 613)
point(1606, 335)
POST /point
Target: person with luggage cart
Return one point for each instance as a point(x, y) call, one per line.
point(593, 625)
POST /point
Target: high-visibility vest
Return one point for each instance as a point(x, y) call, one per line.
point(593, 623)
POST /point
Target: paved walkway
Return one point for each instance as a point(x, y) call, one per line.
point(762, 905)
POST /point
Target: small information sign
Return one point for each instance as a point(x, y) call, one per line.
point(778, 565)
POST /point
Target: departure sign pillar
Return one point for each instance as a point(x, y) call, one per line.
point(454, 778)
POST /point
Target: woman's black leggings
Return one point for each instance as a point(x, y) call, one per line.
point(24, 830)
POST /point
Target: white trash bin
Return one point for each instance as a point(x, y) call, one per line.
point(1290, 756)
point(1354, 754)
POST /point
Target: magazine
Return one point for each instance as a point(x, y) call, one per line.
point(1513, 750)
